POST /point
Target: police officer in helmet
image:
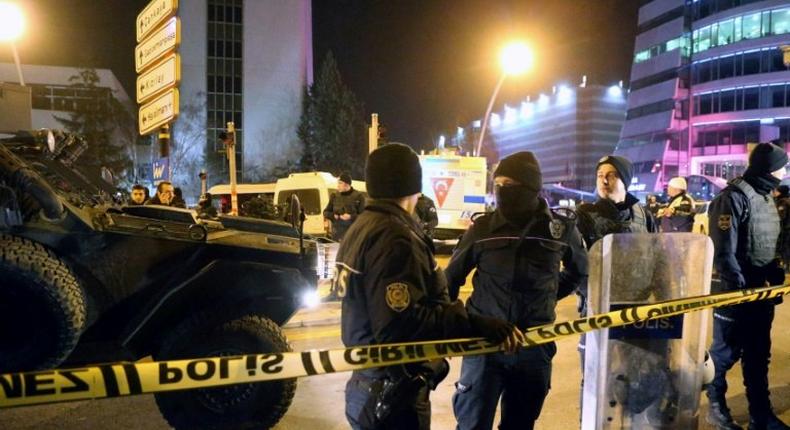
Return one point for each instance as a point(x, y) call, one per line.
point(392, 292)
point(517, 251)
point(745, 227)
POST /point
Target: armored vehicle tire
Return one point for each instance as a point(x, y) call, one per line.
point(42, 307)
point(241, 406)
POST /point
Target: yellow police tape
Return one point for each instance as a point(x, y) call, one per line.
point(123, 379)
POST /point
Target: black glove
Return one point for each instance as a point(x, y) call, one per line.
point(493, 329)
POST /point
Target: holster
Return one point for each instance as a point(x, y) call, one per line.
point(403, 384)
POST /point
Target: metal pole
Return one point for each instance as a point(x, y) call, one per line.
point(231, 147)
point(18, 64)
point(488, 113)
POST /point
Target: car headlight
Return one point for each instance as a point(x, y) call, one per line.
point(310, 299)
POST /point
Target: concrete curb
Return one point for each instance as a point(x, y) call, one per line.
point(321, 316)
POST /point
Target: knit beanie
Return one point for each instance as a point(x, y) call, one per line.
point(621, 164)
point(767, 158)
point(678, 182)
point(345, 177)
point(393, 171)
point(522, 167)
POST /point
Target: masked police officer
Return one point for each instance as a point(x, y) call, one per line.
point(744, 227)
point(517, 251)
point(392, 292)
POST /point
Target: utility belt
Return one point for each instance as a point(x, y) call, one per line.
point(397, 387)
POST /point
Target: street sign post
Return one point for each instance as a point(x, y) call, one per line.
point(163, 76)
point(154, 14)
point(160, 111)
point(160, 43)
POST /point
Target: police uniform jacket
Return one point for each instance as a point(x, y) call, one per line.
point(518, 275)
point(392, 291)
point(744, 228)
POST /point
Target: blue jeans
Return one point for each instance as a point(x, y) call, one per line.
point(522, 380)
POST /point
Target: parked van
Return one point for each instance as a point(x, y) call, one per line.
point(314, 190)
point(244, 192)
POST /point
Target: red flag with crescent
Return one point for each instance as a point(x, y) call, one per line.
point(441, 187)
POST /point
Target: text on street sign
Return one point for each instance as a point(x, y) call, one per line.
point(157, 45)
point(163, 76)
point(158, 112)
point(154, 14)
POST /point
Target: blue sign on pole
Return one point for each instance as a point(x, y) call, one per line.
point(161, 170)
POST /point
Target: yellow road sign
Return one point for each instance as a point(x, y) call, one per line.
point(160, 111)
point(154, 14)
point(163, 76)
point(157, 45)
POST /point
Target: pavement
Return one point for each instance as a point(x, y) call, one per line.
point(319, 400)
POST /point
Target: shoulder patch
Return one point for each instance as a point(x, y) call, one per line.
point(725, 222)
point(398, 298)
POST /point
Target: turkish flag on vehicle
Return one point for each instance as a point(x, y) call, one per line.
point(441, 186)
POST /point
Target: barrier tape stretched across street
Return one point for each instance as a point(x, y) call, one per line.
point(124, 379)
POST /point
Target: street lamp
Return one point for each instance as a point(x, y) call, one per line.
point(12, 24)
point(516, 58)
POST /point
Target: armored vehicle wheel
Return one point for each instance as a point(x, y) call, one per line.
point(42, 307)
point(241, 406)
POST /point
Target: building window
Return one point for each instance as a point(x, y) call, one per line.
point(780, 21)
point(751, 26)
point(225, 76)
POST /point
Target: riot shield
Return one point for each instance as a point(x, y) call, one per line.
point(647, 375)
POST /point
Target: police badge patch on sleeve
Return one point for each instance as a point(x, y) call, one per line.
point(398, 296)
point(725, 222)
point(556, 228)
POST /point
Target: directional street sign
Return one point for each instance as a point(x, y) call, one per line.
point(158, 44)
point(160, 111)
point(154, 14)
point(163, 76)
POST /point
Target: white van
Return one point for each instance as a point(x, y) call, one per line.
point(244, 192)
point(313, 190)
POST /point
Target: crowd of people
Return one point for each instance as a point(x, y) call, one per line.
point(528, 256)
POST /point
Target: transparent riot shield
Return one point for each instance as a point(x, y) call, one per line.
point(648, 375)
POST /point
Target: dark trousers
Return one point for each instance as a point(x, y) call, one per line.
point(743, 332)
point(361, 393)
point(522, 380)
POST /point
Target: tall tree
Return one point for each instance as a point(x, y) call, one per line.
point(108, 126)
point(332, 127)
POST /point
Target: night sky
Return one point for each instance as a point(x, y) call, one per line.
point(424, 66)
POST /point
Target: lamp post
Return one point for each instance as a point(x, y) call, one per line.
point(515, 59)
point(12, 24)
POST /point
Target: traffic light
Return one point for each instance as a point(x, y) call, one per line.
point(383, 138)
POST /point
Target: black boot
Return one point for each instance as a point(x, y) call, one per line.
point(719, 416)
point(767, 422)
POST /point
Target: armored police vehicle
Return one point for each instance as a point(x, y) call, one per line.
point(88, 280)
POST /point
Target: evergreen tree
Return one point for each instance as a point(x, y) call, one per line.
point(106, 124)
point(332, 127)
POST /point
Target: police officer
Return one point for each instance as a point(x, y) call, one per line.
point(426, 214)
point(343, 208)
point(678, 216)
point(392, 292)
point(744, 227)
point(517, 251)
point(615, 211)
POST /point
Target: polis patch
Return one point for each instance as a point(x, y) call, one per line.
point(398, 296)
point(725, 222)
point(556, 228)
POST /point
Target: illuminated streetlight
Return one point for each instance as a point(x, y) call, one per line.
point(12, 24)
point(516, 58)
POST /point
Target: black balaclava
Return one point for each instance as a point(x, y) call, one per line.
point(517, 202)
point(764, 159)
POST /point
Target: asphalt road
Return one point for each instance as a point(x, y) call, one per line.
point(319, 403)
